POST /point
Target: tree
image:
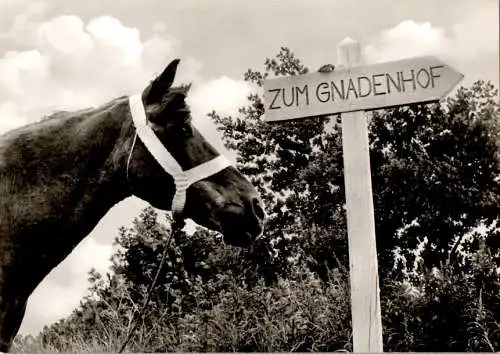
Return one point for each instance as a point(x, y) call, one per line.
point(276, 157)
point(435, 173)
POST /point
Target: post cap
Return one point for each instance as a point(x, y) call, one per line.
point(348, 53)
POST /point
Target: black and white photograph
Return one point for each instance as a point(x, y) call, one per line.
point(249, 176)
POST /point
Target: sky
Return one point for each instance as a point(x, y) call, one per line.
point(59, 54)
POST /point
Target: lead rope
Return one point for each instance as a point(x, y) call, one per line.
point(177, 226)
point(182, 179)
point(130, 155)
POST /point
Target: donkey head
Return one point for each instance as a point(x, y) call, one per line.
point(218, 196)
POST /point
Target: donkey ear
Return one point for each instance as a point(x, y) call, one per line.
point(159, 87)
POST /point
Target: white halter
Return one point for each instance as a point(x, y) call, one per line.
point(182, 179)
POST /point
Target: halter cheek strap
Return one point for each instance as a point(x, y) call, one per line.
point(182, 179)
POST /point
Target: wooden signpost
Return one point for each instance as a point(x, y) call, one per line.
point(355, 88)
point(423, 79)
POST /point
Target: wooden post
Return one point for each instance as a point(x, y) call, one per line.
point(365, 298)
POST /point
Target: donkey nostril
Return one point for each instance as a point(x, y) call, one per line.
point(257, 209)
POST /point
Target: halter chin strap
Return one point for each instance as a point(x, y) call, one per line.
point(182, 179)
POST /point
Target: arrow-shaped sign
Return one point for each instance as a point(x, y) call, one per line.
point(423, 79)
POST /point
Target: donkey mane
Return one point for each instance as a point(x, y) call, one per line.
point(27, 152)
point(62, 114)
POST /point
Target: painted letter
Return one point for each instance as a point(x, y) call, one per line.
point(274, 99)
point(397, 87)
point(369, 86)
point(432, 74)
point(421, 84)
point(351, 88)
point(326, 94)
point(305, 90)
point(292, 96)
point(375, 84)
point(336, 89)
point(412, 79)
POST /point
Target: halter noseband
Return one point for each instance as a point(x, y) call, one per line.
point(182, 179)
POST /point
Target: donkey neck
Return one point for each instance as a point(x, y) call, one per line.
point(63, 174)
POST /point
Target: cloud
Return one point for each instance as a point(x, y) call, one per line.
point(405, 40)
point(224, 95)
point(74, 64)
point(469, 45)
point(19, 19)
point(475, 35)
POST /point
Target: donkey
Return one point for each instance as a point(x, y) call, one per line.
point(60, 176)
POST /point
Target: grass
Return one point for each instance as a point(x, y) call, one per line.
point(293, 315)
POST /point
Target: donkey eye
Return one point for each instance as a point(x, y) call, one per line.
point(187, 130)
